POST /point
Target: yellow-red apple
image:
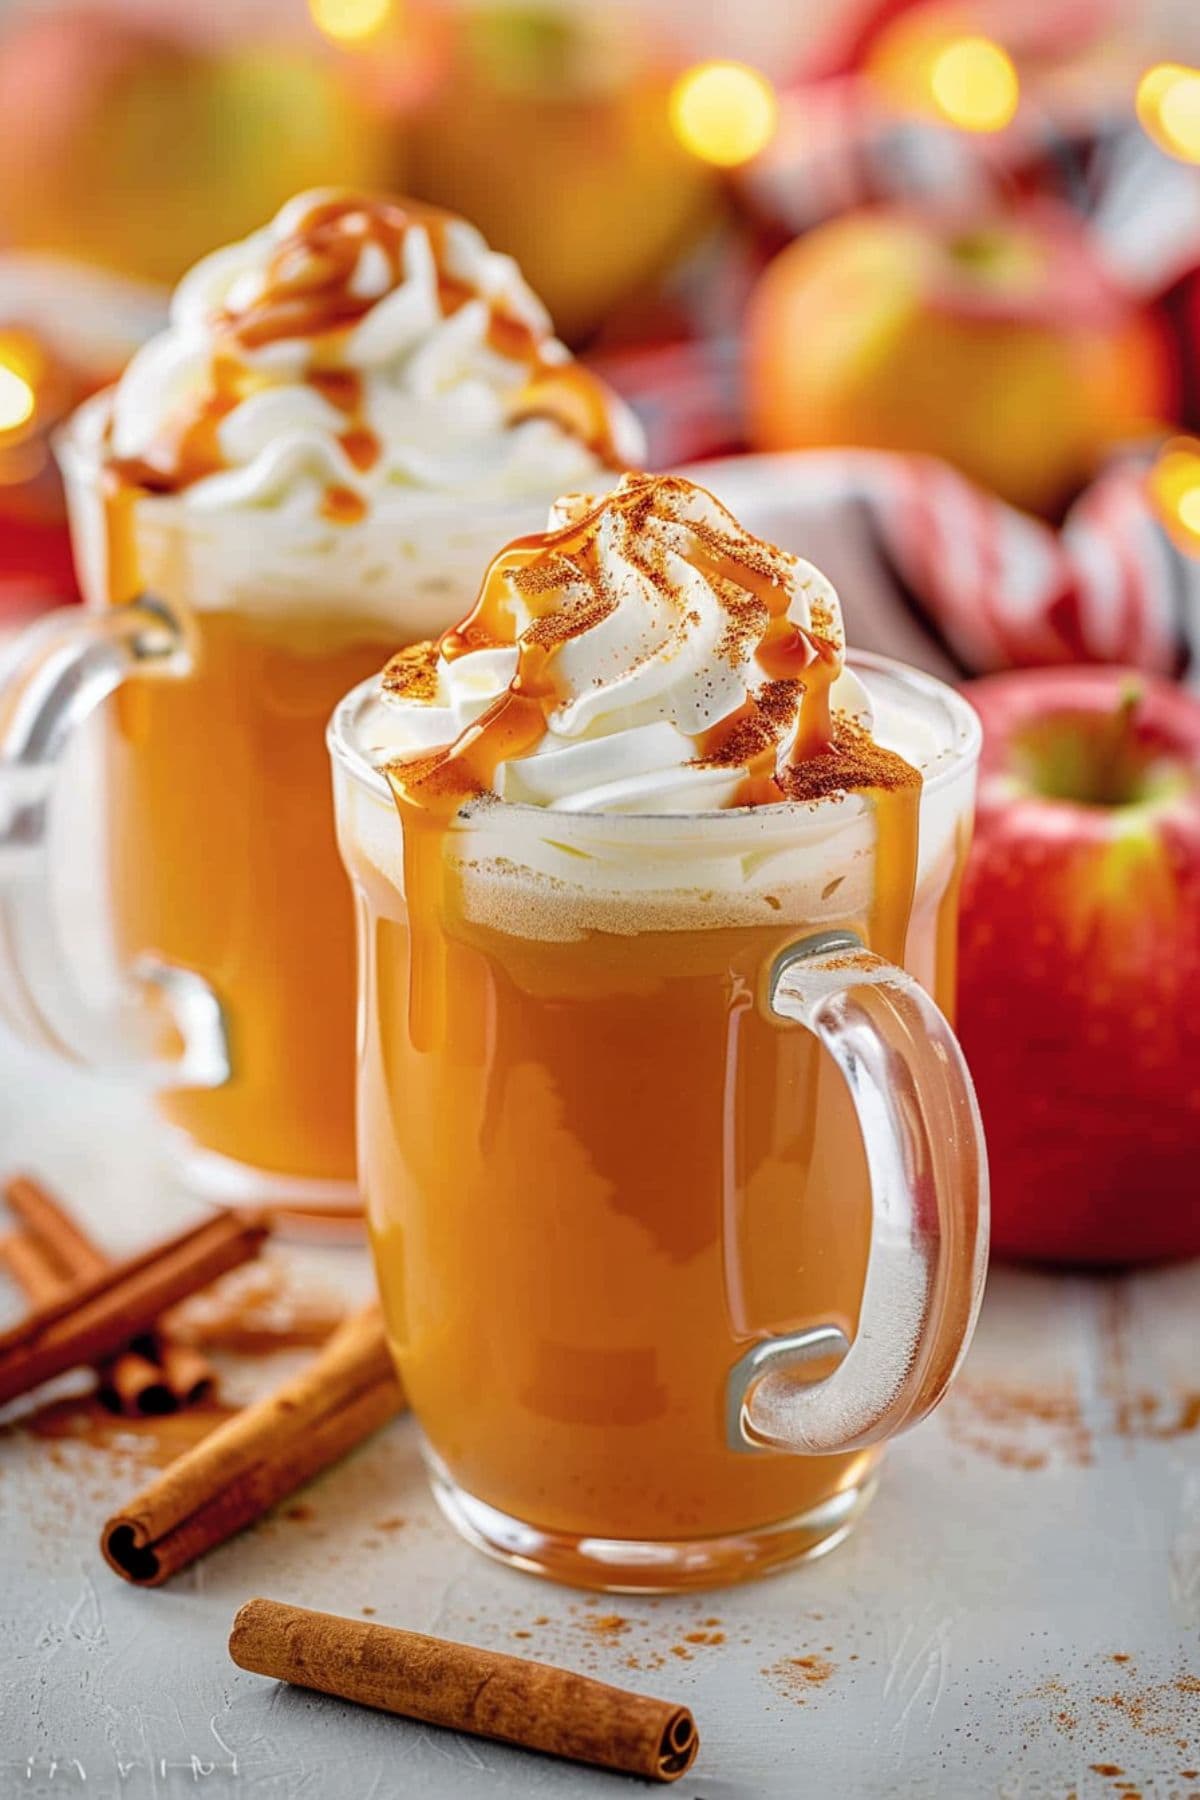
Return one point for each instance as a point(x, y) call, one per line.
point(1001, 346)
point(126, 147)
point(552, 133)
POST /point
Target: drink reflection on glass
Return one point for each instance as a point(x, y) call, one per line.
point(673, 1169)
point(348, 411)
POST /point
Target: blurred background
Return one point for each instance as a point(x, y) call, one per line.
point(960, 228)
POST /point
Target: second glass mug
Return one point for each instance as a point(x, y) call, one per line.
point(678, 1205)
point(224, 640)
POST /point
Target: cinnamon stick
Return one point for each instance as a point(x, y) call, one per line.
point(243, 1467)
point(65, 1242)
point(91, 1320)
point(481, 1691)
point(36, 1276)
point(187, 1372)
point(54, 1252)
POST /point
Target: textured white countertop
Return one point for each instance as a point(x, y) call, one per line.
point(1022, 1602)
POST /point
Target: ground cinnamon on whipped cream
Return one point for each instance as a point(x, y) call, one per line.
point(644, 654)
point(355, 346)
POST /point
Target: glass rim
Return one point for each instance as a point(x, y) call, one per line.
point(963, 753)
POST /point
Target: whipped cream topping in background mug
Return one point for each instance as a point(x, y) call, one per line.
point(349, 412)
point(437, 333)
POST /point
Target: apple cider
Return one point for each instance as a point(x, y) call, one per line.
point(222, 858)
point(598, 1167)
point(673, 1172)
point(348, 412)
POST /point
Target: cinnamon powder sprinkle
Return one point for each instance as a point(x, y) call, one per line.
point(572, 621)
point(606, 1625)
point(754, 729)
point(755, 555)
point(548, 575)
point(853, 763)
point(794, 1677)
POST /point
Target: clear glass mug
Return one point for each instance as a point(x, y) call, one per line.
point(218, 644)
point(675, 1184)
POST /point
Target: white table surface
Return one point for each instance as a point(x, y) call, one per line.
point(1044, 1523)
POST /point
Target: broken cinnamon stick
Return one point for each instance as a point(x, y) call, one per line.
point(485, 1692)
point(91, 1320)
point(54, 1252)
point(243, 1467)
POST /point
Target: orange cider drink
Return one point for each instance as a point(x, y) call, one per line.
point(349, 411)
point(674, 1177)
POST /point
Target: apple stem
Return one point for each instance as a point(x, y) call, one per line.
point(1118, 741)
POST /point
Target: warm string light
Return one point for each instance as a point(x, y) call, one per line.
point(17, 400)
point(1168, 105)
point(351, 21)
point(22, 365)
point(723, 112)
point(1174, 485)
point(974, 84)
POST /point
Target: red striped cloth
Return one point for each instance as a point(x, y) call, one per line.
point(934, 570)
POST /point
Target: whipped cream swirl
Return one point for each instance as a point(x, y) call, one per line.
point(367, 350)
point(647, 654)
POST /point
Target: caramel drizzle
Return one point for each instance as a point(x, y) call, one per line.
point(801, 663)
point(308, 293)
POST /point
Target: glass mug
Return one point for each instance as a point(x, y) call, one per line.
point(675, 1183)
point(224, 641)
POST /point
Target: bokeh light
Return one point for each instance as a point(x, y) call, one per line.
point(974, 84)
point(1174, 484)
point(724, 112)
point(1168, 105)
point(350, 21)
point(17, 399)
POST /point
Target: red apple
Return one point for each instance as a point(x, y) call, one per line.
point(1079, 998)
point(1000, 346)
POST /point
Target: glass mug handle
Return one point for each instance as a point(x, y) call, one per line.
point(929, 1197)
point(164, 1025)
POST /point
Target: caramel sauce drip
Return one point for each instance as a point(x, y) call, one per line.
point(191, 449)
point(343, 505)
point(308, 293)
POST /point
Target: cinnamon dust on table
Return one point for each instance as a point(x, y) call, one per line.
point(1018, 1428)
point(795, 1677)
point(1136, 1412)
point(84, 1420)
point(1034, 1428)
point(258, 1310)
point(644, 1644)
point(606, 1625)
point(1092, 1708)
